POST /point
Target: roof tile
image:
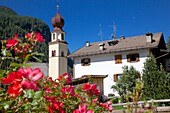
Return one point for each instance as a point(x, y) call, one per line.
point(129, 43)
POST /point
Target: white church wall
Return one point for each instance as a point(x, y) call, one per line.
point(104, 64)
point(57, 62)
point(53, 67)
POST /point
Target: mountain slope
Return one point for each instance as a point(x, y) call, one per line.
point(11, 23)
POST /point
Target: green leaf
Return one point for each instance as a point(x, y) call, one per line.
point(6, 52)
point(38, 94)
point(30, 93)
point(26, 65)
point(15, 65)
point(34, 103)
point(38, 54)
point(26, 58)
point(6, 106)
point(25, 106)
point(37, 59)
point(2, 73)
point(18, 39)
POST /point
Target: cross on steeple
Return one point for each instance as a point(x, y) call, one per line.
point(57, 2)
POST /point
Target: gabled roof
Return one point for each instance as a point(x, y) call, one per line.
point(124, 44)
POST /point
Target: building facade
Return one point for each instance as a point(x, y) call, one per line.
point(102, 61)
point(109, 57)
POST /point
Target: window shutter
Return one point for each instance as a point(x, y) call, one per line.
point(137, 58)
point(128, 58)
point(115, 77)
point(89, 61)
point(118, 59)
point(82, 62)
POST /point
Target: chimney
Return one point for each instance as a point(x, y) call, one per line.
point(149, 37)
point(101, 46)
point(122, 37)
point(87, 44)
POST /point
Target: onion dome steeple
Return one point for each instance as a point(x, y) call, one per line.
point(58, 21)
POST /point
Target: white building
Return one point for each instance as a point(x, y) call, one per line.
point(108, 57)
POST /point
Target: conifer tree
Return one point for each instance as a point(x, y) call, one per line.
point(127, 82)
point(168, 43)
point(156, 82)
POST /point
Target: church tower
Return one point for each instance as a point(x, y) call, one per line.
point(57, 48)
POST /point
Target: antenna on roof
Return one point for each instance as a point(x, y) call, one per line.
point(100, 34)
point(113, 35)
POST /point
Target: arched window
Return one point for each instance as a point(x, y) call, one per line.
point(62, 36)
point(54, 36)
point(53, 53)
point(62, 54)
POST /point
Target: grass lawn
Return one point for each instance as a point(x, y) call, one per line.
point(119, 108)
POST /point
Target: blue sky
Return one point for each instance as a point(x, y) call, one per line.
point(82, 17)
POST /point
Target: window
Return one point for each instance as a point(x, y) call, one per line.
point(118, 59)
point(53, 53)
point(112, 43)
point(62, 36)
point(62, 54)
point(85, 61)
point(133, 57)
point(116, 77)
point(53, 36)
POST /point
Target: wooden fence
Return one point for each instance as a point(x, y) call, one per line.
point(142, 102)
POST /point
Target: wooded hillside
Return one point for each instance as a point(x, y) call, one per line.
point(11, 23)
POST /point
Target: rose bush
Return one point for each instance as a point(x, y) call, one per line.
point(28, 90)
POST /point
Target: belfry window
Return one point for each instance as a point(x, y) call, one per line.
point(62, 54)
point(62, 36)
point(54, 36)
point(53, 53)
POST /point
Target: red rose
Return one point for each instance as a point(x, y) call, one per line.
point(15, 89)
point(28, 35)
point(39, 37)
point(12, 42)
